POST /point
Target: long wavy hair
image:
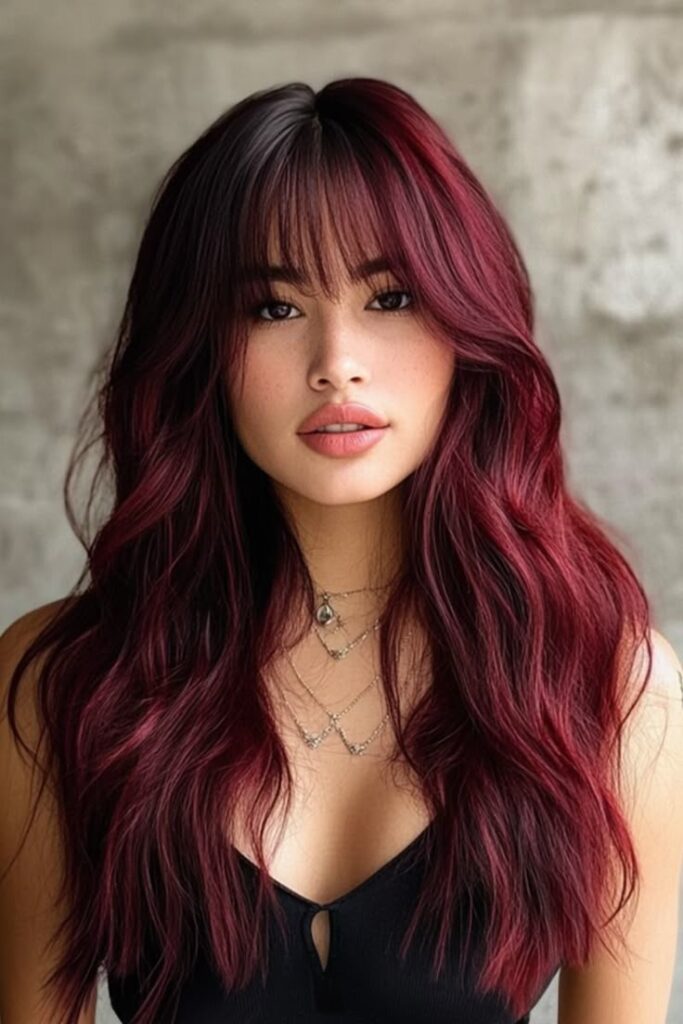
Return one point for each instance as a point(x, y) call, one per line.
point(151, 683)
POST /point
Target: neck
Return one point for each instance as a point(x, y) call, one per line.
point(349, 546)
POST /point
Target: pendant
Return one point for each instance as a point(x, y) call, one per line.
point(325, 613)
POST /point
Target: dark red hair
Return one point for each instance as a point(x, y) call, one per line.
point(152, 690)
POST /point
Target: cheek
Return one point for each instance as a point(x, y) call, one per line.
point(424, 377)
point(263, 403)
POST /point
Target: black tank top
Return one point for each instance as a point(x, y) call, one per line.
point(363, 982)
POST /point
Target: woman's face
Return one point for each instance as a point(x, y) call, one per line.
point(367, 346)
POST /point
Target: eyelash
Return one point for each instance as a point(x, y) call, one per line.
point(271, 300)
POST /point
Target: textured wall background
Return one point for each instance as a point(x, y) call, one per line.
point(572, 114)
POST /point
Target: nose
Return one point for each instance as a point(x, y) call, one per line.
point(339, 355)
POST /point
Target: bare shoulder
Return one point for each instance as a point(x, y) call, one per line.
point(652, 769)
point(637, 989)
point(30, 849)
point(14, 641)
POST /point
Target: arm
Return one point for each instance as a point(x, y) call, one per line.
point(638, 991)
point(28, 890)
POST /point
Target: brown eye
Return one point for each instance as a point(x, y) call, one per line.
point(277, 308)
point(394, 297)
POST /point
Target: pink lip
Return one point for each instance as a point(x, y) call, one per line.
point(347, 412)
point(342, 445)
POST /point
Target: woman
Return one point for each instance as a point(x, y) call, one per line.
point(354, 711)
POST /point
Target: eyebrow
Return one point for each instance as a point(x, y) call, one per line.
point(292, 275)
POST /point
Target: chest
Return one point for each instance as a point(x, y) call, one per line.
point(350, 816)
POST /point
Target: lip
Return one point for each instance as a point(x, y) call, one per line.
point(341, 445)
point(348, 412)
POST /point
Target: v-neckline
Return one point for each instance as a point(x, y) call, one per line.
point(366, 883)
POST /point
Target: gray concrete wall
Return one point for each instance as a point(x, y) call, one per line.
point(571, 112)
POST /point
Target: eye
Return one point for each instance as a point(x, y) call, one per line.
point(272, 303)
point(280, 306)
point(393, 293)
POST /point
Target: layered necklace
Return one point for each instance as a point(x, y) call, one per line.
point(327, 621)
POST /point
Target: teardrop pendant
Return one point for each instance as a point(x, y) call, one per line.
point(325, 613)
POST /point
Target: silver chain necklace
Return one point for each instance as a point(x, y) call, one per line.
point(313, 740)
point(341, 652)
point(326, 614)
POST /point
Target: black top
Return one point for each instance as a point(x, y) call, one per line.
point(364, 980)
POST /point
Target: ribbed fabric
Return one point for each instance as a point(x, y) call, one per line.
point(364, 980)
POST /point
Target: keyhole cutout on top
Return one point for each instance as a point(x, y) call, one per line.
point(320, 935)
